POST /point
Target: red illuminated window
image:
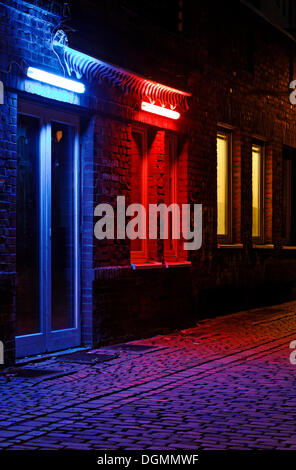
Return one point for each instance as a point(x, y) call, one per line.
point(139, 183)
point(170, 244)
point(176, 194)
point(159, 179)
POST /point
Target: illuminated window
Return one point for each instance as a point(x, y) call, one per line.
point(224, 186)
point(139, 183)
point(159, 179)
point(257, 192)
point(171, 245)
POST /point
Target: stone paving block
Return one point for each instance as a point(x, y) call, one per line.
point(232, 391)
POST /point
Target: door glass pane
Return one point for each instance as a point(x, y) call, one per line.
point(62, 226)
point(27, 226)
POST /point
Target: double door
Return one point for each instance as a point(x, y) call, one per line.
point(47, 231)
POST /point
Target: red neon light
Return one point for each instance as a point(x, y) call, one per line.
point(152, 108)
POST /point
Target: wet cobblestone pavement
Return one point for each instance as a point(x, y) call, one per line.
point(226, 384)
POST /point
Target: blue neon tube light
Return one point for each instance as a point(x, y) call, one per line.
point(55, 80)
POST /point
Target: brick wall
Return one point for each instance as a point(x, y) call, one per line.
point(25, 34)
point(238, 68)
point(133, 304)
point(239, 78)
point(7, 223)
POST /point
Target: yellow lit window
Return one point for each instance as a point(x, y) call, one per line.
point(257, 191)
point(223, 185)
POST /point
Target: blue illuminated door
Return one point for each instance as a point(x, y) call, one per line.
point(48, 255)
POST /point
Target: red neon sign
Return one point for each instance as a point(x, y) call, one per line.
point(161, 111)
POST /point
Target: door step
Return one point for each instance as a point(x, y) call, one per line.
point(45, 356)
point(85, 357)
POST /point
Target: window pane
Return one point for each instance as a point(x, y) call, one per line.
point(27, 226)
point(172, 186)
point(256, 190)
point(287, 193)
point(62, 226)
point(137, 179)
point(222, 184)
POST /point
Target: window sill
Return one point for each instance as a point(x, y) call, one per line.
point(178, 264)
point(146, 265)
point(289, 247)
point(230, 246)
point(267, 246)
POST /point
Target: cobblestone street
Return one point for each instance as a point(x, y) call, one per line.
point(226, 384)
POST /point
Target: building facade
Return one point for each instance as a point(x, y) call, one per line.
point(281, 12)
point(63, 152)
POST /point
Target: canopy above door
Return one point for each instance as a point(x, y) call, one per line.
point(91, 69)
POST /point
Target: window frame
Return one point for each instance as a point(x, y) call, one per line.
point(228, 132)
point(48, 338)
point(141, 256)
point(171, 254)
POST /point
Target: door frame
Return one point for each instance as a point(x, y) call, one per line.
point(48, 340)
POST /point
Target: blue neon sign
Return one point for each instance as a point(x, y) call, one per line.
point(55, 80)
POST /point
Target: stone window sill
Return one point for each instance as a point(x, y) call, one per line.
point(230, 246)
point(178, 264)
point(266, 246)
point(156, 265)
point(146, 265)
